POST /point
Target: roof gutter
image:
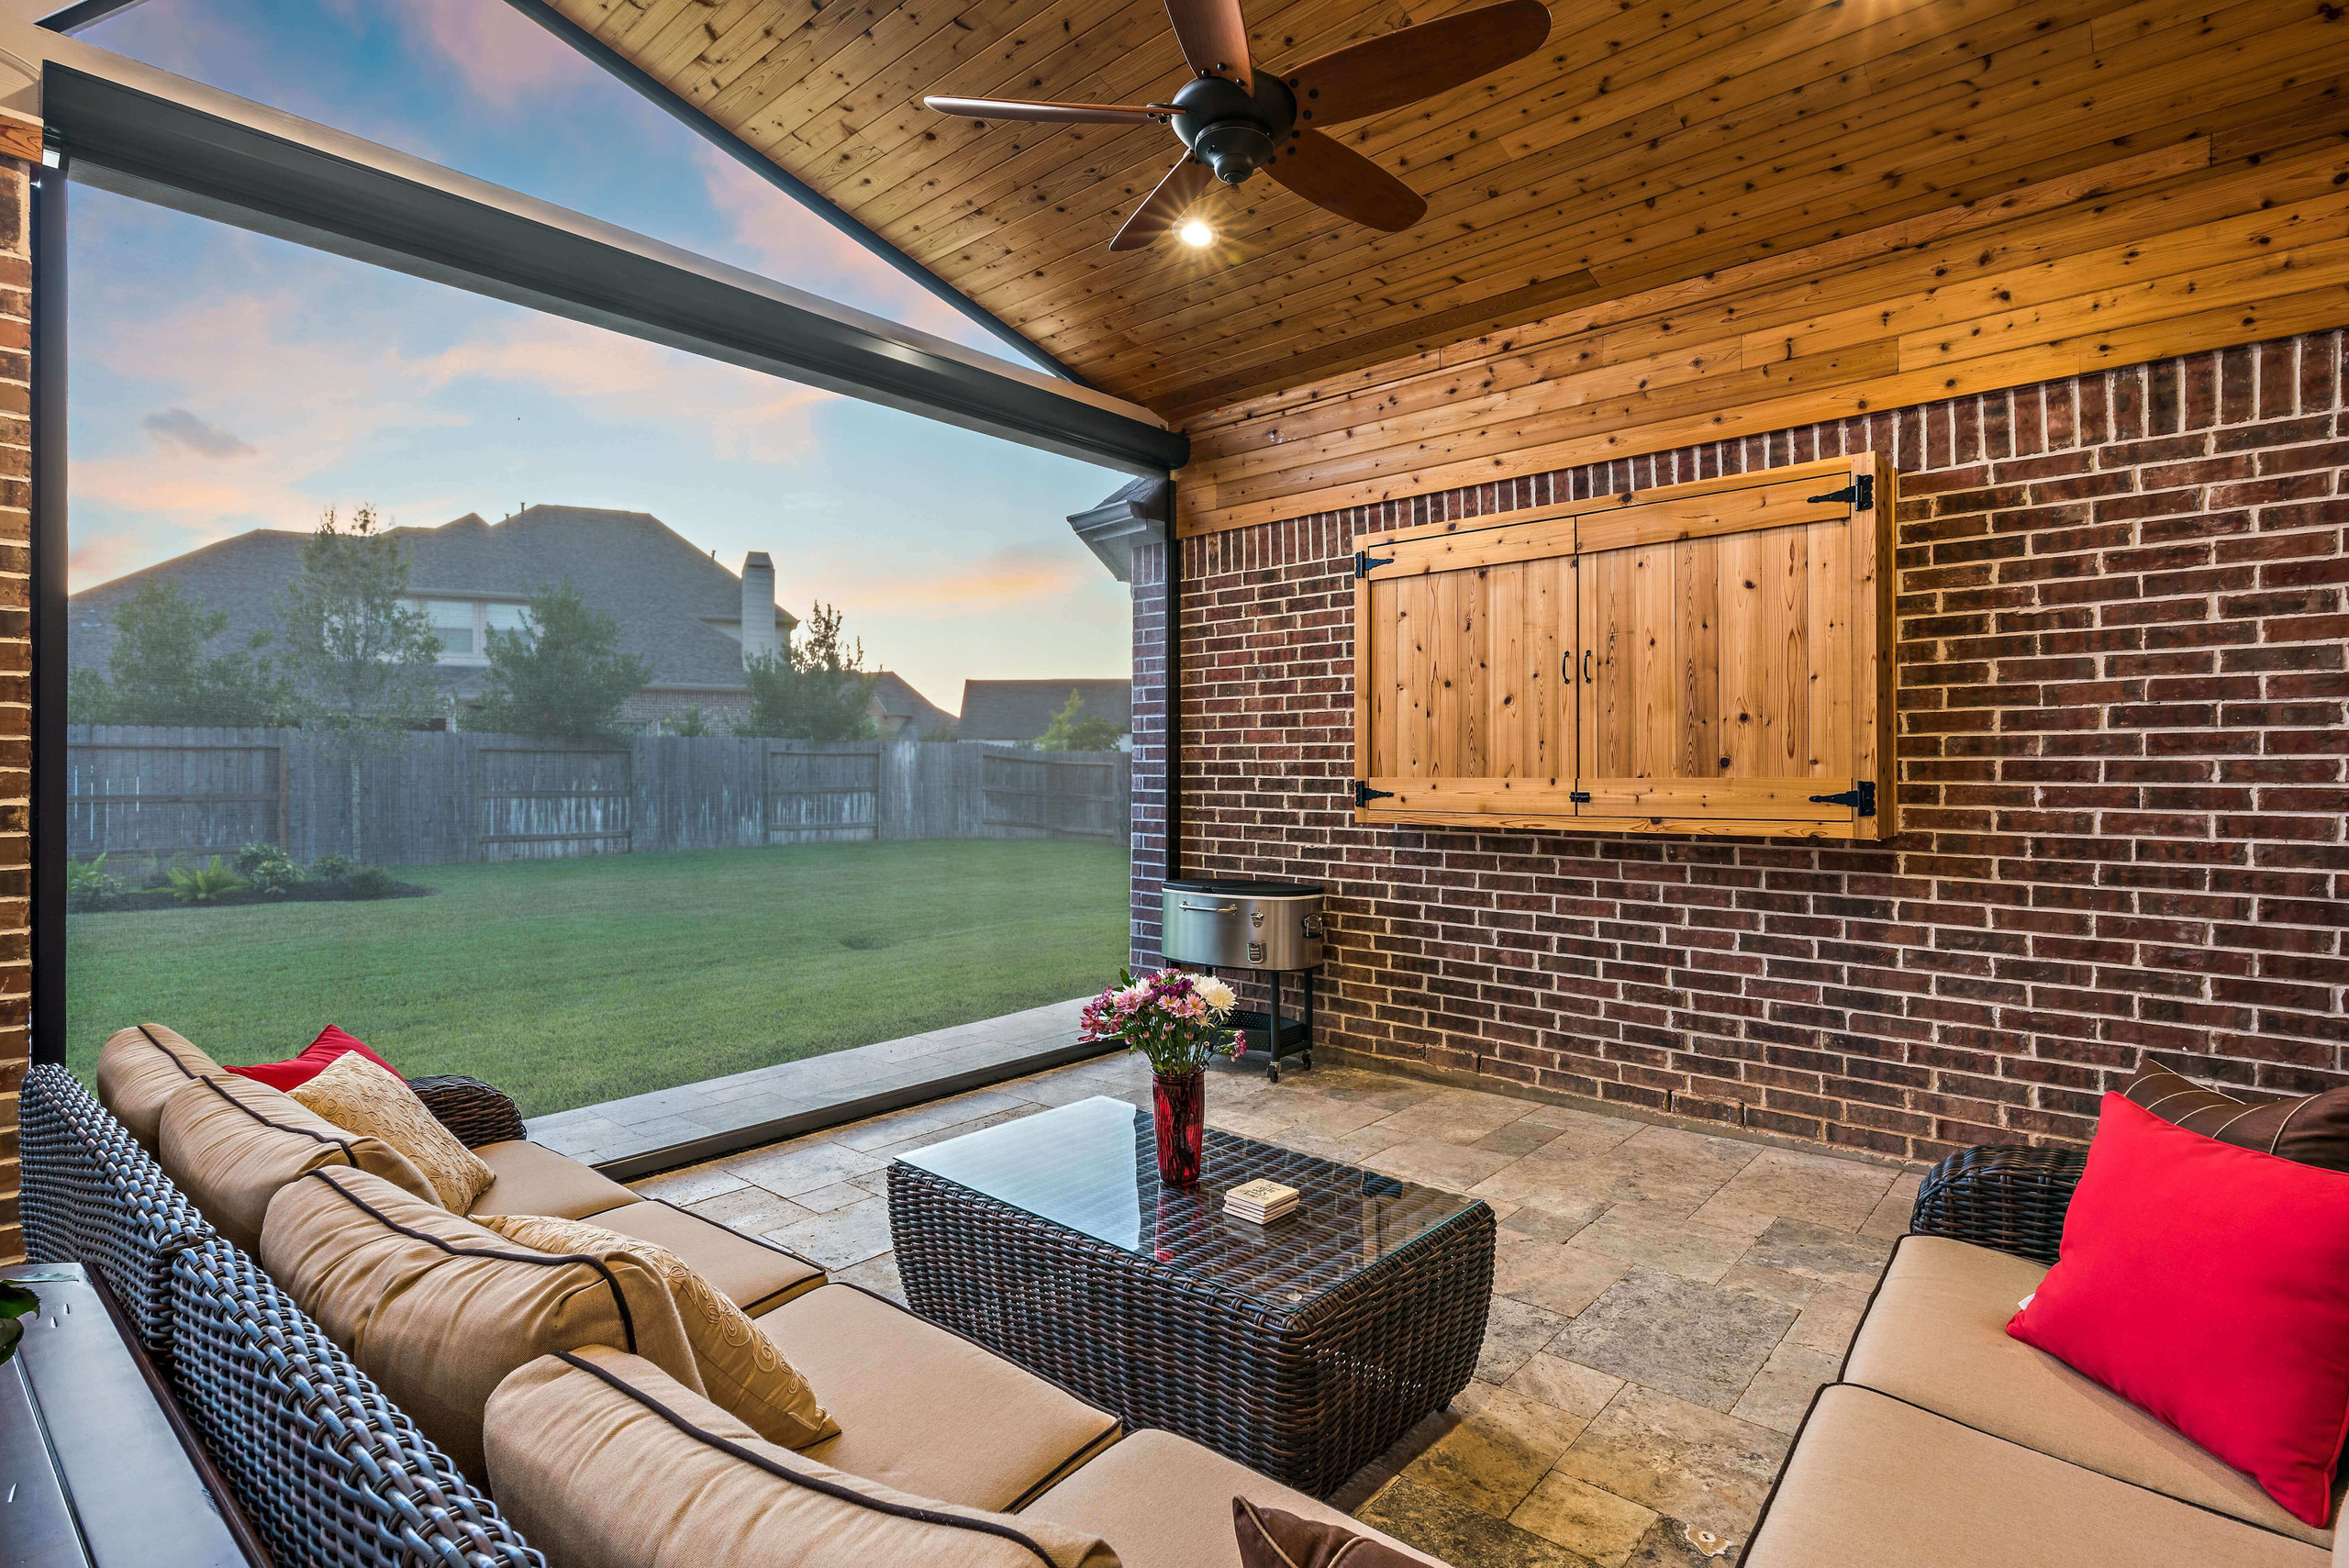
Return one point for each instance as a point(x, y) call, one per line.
point(694, 119)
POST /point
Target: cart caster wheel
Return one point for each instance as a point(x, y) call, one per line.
point(1273, 1071)
point(1305, 1060)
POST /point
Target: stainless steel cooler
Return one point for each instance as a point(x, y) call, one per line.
point(1272, 928)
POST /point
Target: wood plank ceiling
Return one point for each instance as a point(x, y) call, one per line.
point(1650, 143)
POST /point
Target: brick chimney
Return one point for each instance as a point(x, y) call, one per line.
point(758, 607)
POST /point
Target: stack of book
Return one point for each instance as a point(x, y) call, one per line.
point(1261, 1201)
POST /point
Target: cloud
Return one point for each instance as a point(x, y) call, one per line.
point(177, 427)
point(793, 244)
point(741, 414)
point(499, 52)
point(1014, 576)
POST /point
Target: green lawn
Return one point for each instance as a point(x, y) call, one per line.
point(569, 982)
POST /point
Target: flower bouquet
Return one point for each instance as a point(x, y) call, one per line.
point(1175, 1018)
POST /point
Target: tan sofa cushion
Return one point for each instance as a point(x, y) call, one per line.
point(231, 1143)
point(1936, 1336)
point(742, 1370)
point(927, 1411)
point(754, 1275)
point(359, 1096)
point(1162, 1501)
point(602, 1461)
point(142, 1066)
point(1873, 1481)
point(438, 1310)
point(530, 1178)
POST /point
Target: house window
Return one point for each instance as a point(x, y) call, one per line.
point(463, 625)
point(452, 623)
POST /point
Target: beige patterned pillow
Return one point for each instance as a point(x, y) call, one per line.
point(743, 1371)
point(359, 1096)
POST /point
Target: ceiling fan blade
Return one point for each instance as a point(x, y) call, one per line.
point(1214, 36)
point(1062, 113)
point(1334, 176)
point(1185, 184)
point(1399, 68)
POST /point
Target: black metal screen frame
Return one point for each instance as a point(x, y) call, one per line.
point(47, 571)
point(181, 155)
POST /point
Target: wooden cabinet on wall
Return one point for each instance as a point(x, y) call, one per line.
point(1704, 658)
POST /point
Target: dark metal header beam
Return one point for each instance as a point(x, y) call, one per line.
point(173, 152)
point(84, 14)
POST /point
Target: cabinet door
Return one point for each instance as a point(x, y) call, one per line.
point(1463, 688)
point(1722, 687)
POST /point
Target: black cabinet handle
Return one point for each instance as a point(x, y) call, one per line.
point(1586, 666)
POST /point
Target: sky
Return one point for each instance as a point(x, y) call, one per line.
point(222, 381)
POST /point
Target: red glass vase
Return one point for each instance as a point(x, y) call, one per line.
point(1179, 1104)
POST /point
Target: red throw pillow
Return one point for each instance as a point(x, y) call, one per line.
point(291, 1075)
point(2209, 1286)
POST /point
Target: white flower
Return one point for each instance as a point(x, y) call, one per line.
point(1216, 995)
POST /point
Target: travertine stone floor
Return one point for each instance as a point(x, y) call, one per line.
point(1665, 1301)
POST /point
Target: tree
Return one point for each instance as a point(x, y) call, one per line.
point(815, 690)
point(356, 649)
point(1070, 733)
point(562, 676)
point(158, 673)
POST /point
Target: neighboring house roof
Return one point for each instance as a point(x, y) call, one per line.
point(673, 601)
point(895, 698)
point(1021, 711)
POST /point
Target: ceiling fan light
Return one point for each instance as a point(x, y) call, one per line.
point(1195, 234)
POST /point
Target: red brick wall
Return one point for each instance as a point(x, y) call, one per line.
point(2122, 751)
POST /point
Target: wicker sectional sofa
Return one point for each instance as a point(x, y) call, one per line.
point(1944, 1441)
point(338, 1444)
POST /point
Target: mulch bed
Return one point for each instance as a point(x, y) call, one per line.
point(300, 892)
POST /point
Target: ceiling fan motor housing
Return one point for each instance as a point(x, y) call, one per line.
point(1231, 131)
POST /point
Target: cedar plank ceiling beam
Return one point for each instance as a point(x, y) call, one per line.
point(1650, 144)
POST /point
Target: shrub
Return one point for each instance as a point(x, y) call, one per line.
point(205, 884)
point(330, 868)
point(268, 868)
point(370, 882)
point(88, 886)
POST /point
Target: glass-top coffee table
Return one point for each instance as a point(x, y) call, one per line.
point(1302, 1348)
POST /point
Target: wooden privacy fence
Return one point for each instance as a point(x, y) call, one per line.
point(1062, 794)
point(435, 798)
point(537, 804)
point(815, 797)
point(162, 799)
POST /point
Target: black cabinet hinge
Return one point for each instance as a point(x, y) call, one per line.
point(1860, 798)
point(1579, 796)
point(1364, 560)
point(1365, 795)
point(1860, 493)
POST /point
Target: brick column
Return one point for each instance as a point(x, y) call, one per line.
point(1149, 584)
point(16, 653)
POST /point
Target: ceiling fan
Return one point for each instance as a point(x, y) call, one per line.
point(1235, 120)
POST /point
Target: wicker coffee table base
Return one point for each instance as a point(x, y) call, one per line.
point(1307, 1396)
